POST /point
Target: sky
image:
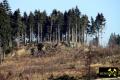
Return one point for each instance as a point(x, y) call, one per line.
point(109, 8)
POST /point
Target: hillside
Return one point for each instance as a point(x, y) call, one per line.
point(58, 61)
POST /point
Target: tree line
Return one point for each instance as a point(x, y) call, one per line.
point(37, 26)
point(114, 40)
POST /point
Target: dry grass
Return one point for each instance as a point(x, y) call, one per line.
point(70, 61)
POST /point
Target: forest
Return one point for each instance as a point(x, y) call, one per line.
point(69, 27)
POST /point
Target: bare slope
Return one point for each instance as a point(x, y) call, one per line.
point(57, 61)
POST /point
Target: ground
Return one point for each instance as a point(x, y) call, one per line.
point(56, 62)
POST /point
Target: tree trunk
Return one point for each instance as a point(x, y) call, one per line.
point(86, 38)
point(3, 55)
point(3, 50)
point(79, 35)
point(51, 32)
point(83, 35)
point(58, 33)
point(62, 37)
point(49, 37)
point(22, 37)
point(101, 38)
point(0, 55)
point(66, 36)
point(38, 36)
point(30, 34)
point(72, 35)
point(0, 58)
point(69, 36)
point(25, 38)
point(98, 39)
point(76, 34)
point(41, 32)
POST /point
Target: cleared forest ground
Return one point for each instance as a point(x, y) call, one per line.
point(59, 61)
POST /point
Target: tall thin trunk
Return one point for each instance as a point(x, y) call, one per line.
point(22, 33)
point(47, 40)
point(101, 38)
point(62, 38)
point(1, 55)
point(76, 34)
point(72, 35)
point(30, 34)
point(49, 37)
point(22, 36)
point(53, 36)
point(66, 36)
point(79, 35)
point(25, 38)
point(0, 58)
point(69, 36)
point(83, 35)
point(38, 36)
point(58, 33)
point(41, 32)
point(51, 32)
point(86, 38)
point(10, 42)
point(98, 39)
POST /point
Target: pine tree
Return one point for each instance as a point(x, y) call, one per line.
point(53, 24)
point(59, 22)
point(43, 25)
point(25, 22)
point(65, 26)
point(18, 26)
point(78, 14)
point(114, 40)
point(31, 26)
point(100, 23)
point(92, 29)
point(84, 24)
point(6, 6)
point(37, 23)
point(5, 29)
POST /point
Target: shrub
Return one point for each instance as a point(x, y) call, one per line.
point(40, 46)
point(2, 77)
point(8, 50)
point(64, 77)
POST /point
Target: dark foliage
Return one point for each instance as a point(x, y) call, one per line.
point(64, 77)
point(114, 40)
point(40, 46)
